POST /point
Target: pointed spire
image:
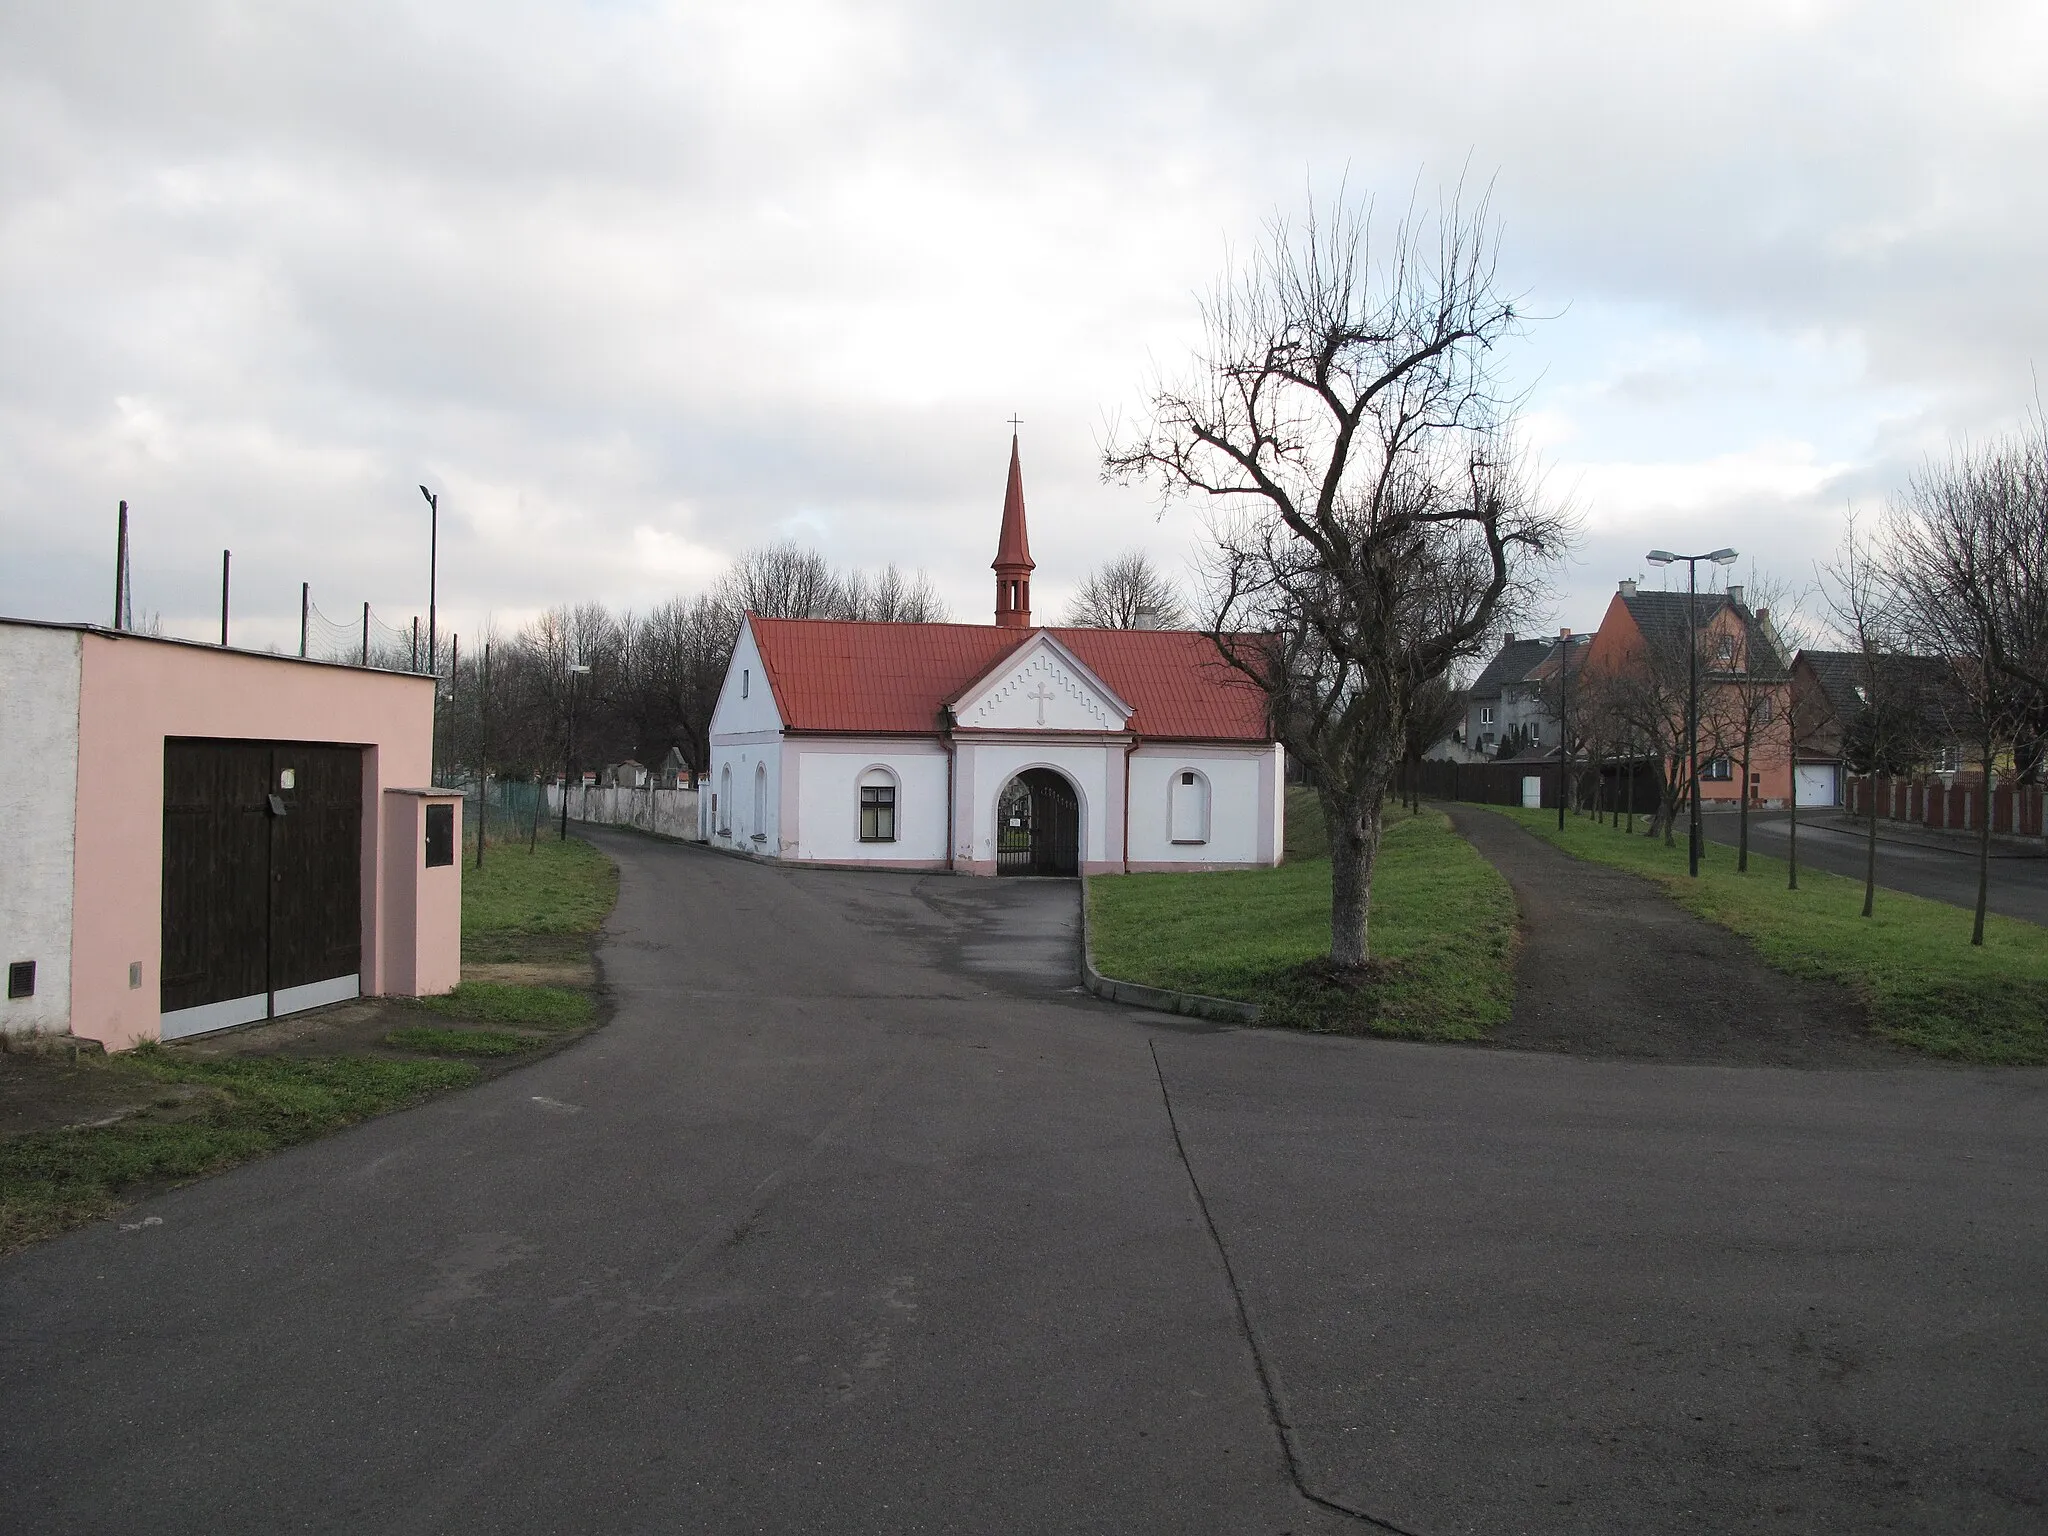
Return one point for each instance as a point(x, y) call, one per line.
point(1013, 563)
point(1013, 547)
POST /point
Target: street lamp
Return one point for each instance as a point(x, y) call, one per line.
point(433, 562)
point(1692, 688)
point(576, 669)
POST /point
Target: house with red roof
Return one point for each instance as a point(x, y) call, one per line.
point(1005, 748)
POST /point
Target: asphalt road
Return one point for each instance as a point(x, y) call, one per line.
point(2019, 886)
point(856, 1219)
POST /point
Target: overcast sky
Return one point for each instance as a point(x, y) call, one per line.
point(635, 286)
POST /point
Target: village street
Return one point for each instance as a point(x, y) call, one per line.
point(2019, 886)
point(858, 1217)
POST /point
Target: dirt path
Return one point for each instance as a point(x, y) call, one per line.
point(1611, 966)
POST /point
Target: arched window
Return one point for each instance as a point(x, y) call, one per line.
point(721, 803)
point(878, 806)
point(1188, 807)
point(760, 802)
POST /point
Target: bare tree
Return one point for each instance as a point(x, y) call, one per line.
point(783, 581)
point(1955, 536)
point(1432, 715)
point(1752, 689)
point(1127, 592)
point(1888, 733)
point(1375, 520)
point(890, 597)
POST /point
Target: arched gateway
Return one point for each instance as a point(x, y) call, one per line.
point(1038, 825)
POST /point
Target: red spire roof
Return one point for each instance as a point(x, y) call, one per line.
point(1013, 548)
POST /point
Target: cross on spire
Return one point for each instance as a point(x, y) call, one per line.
point(1014, 425)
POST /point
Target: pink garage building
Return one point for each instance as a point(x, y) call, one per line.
point(193, 838)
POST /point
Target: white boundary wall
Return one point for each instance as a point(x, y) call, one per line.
point(39, 691)
point(668, 812)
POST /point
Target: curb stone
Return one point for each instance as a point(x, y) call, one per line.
point(1136, 995)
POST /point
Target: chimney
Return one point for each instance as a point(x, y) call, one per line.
point(1563, 635)
point(1763, 617)
point(1510, 639)
point(1735, 593)
point(1628, 589)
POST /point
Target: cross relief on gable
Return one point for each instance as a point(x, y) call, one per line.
point(1042, 694)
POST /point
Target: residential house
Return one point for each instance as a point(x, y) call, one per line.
point(1645, 636)
point(1505, 712)
point(1830, 689)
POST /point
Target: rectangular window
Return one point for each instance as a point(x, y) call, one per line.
point(878, 813)
point(1486, 714)
point(1717, 768)
point(746, 681)
point(440, 836)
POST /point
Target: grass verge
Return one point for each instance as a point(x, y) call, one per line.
point(1443, 926)
point(50, 1180)
point(558, 890)
point(1911, 964)
point(496, 1002)
point(464, 1042)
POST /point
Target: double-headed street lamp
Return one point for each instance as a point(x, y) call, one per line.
point(1692, 692)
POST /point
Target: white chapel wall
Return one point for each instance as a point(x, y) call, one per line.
point(39, 681)
point(826, 825)
point(1241, 783)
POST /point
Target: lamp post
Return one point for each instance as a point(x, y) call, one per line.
point(576, 670)
point(433, 573)
point(1692, 685)
point(1564, 723)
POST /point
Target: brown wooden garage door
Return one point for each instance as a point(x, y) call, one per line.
point(262, 882)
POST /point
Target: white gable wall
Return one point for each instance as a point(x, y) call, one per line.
point(1043, 688)
point(746, 740)
point(746, 704)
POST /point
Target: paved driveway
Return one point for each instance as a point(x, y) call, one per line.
point(2019, 886)
point(856, 1220)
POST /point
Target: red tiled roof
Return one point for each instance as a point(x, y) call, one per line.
point(891, 679)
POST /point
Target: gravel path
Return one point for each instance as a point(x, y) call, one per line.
point(1611, 966)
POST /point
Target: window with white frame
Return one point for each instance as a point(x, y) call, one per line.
point(1486, 714)
point(1188, 807)
point(878, 806)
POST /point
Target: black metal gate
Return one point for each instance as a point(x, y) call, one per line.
point(1038, 826)
point(262, 880)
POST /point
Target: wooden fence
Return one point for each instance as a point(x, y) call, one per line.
point(1502, 783)
point(1954, 806)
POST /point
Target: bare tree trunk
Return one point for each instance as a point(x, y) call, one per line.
point(1354, 849)
point(1983, 850)
point(1792, 827)
point(1870, 854)
point(1742, 833)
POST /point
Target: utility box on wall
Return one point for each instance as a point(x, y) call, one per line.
point(424, 890)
